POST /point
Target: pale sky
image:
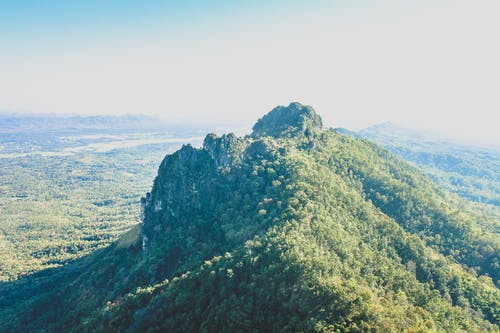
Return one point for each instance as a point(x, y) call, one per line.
point(424, 64)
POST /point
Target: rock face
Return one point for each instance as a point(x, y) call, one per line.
point(288, 121)
point(176, 188)
point(225, 150)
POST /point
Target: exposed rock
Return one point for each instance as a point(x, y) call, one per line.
point(158, 205)
point(225, 150)
point(176, 188)
point(144, 244)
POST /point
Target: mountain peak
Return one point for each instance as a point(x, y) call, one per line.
point(224, 150)
point(289, 119)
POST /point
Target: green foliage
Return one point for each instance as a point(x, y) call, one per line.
point(310, 232)
point(59, 208)
point(472, 172)
point(296, 119)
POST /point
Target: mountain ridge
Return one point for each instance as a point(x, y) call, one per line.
point(293, 228)
point(471, 171)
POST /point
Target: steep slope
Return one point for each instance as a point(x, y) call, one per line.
point(293, 228)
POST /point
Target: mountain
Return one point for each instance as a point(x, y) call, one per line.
point(13, 123)
point(470, 171)
point(294, 228)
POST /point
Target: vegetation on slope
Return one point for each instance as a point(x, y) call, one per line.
point(472, 172)
point(294, 228)
point(58, 208)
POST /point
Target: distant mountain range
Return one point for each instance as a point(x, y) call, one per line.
point(47, 123)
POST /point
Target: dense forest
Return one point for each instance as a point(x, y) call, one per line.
point(292, 228)
point(471, 171)
point(58, 208)
point(71, 185)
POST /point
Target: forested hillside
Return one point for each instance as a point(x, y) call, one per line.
point(294, 228)
point(71, 185)
point(471, 171)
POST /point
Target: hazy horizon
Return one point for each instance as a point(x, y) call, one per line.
point(427, 65)
point(241, 129)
